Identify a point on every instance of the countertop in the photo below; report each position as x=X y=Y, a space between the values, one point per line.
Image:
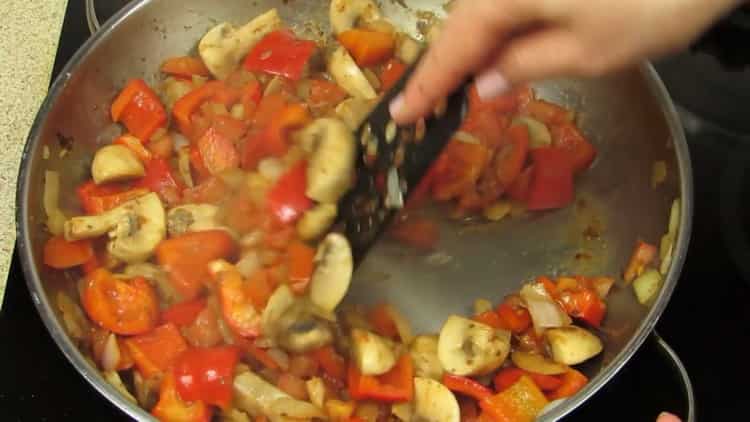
x=29 y=33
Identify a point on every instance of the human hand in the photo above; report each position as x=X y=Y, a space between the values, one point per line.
x=667 y=417
x=506 y=42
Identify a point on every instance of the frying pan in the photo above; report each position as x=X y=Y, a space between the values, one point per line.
x=628 y=116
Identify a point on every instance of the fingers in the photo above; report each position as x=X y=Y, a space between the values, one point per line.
x=667 y=417
x=469 y=39
x=539 y=55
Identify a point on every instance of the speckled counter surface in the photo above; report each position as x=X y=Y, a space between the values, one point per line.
x=29 y=33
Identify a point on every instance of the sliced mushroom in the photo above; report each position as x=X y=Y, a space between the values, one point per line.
x=572 y=345
x=333 y=272
x=331 y=166
x=536 y=363
x=466 y=347
x=373 y=355
x=433 y=402
x=135 y=228
x=344 y=14
x=157 y=276
x=224 y=46
x=116 y=163
x=353 y=111
x=315 y=222
x=301 y=331
x=194 y=218
x=349 y=76
x=256 y=396
x=424 y=354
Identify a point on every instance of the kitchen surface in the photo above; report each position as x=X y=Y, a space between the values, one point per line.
x=705 y=322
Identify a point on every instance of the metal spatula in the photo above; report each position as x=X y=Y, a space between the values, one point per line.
x=391 y=161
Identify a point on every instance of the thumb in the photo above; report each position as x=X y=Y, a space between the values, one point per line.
x=667 y=417
x=545 y=53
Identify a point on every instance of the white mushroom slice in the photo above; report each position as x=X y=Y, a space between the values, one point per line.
x=116 y=163
x=466 y=347
x=224 y=46
x=349 y=76
x=157 y=276
x=333 y=272
x=256 y=396
x=536 y=363
x=433 y=402
x=331 y=167
x=344 y=14
x=424 y=354
x=373 y=355
x=135 y=228
x=315 y=222
x=353 y=111
x=280 y=301
x=572 y=345
x=193 y=218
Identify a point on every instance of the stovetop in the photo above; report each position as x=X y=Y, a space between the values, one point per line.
x=706 y=321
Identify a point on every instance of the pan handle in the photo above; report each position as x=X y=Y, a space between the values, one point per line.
x=91 y=18
x=671 y=355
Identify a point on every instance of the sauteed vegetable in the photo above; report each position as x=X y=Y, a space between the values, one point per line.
x=211 y=283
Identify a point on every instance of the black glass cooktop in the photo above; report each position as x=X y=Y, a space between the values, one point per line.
x=706 y=321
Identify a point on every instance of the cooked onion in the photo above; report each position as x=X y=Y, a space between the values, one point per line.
x=545 y=312
x=280 y=356
x=249 y=263
x=111 y=353
x=271 y=169
x=402 y=324
x=50 y=197
x=76 y=324
x=466 y=137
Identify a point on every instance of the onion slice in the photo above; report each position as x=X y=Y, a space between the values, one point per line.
x=545 y=312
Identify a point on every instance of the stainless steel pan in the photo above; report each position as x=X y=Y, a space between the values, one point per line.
x=628 y=115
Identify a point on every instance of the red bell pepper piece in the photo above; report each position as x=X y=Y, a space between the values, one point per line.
x=139 y=109
x=584 y=304
x=281 y=53
x=96 y=199
x=186 y=258
x=324 y=94
x=183 y=313
x=156 y=350
x=396 y=385
x=466 y=386
x=513 y=318
x=61 y=254
x=382 y=322
x=261 y=355
x=391 y=73
x=643 y=255
x=332 y=363
x=127 y=307
x=286 y=200
x=217 y=151
x=508 y=376
x=185 y=66
x=572 y=382
x=552 y=182
x=568 y=137
x=490 y=318
x=511 y=157
x=172 y=408
x=271 y=141
x=301 y=263
x=190 y=103
x=160 y=180
x=368 y=47
x=251 y=96
x=206 y=374
x=237 y=307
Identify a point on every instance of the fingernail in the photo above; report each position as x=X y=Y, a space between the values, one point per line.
x=667 y=417
x=397 y=106
x=490 y=84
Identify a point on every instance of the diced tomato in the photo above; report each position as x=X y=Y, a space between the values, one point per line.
x=568 y=137
x=210 y=191
x=519 y=189
x=171 y=408
x=509 y=376
x=382 y=322
x=204 y=330
x=572 y=382
x=417 y=232
x=461 y=169
x=124 y=307
x=279 y=238
x=584 y=304
x=156 y=350
x=259 y=289
x=332 y=363
x=61 y=254
x=139 y=109
x=280 y=53
x=190 y=103
x=199 y=171
x=185 y=66
x=206 y=374
x=490 y=318
x=272 y=140
x=184 y=313
x=324 y=95
x=236 y=304
x=160 y=180
x=511 y=157
x=257 y=353
x=301 y=263
x=552 y=182
x=186 y=258
x=391 y=74
x=217 y=151
x=368 y=47
x=287 y=200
